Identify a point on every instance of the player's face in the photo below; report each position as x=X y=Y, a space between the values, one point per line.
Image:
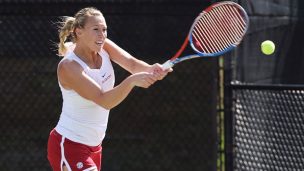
x=94 y=33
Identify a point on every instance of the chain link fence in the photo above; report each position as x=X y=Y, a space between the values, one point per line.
x=268 y=127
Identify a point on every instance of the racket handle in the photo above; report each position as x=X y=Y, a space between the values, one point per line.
x=168 y=64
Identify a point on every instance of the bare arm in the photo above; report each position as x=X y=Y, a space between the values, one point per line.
x=124 y=59
x=130 y=63
x=72 y=76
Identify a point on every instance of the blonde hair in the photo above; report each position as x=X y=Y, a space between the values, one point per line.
x=68 y=25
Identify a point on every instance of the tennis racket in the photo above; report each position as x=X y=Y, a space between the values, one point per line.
x=218 y=29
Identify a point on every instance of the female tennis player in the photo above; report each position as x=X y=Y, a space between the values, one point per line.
x=86 y=80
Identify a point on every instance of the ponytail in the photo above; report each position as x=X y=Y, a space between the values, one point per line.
x=66 y=29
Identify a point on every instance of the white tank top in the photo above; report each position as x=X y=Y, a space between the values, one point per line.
x=82 y=120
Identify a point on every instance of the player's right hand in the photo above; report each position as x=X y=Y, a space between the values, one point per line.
x=143 y=79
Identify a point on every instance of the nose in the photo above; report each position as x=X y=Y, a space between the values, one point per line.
x=103 y=34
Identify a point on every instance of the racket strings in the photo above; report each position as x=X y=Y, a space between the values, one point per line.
x=221 y=15
x=224 y=25
x=236 y=18
x=218 y=29
x=215 y=39
x=231 y=29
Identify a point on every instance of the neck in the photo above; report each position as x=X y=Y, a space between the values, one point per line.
x=85 y=54
x=91 y=58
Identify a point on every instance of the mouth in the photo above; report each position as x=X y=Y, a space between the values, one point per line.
x=99 y=43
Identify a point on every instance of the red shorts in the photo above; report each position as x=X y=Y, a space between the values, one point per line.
x=75 y=156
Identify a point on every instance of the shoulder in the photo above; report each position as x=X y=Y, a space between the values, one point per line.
x=109 y=45
x=104 y=52
x=68 y=67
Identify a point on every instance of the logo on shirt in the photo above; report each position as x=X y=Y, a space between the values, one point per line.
x=104 y=75
x=106 y=78
x=79 y=165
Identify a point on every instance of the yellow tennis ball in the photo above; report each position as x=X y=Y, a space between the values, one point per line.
x=267 y=47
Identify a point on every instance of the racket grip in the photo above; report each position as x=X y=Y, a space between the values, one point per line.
x=168 y=64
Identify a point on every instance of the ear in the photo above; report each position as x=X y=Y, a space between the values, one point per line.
x=78 y=32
